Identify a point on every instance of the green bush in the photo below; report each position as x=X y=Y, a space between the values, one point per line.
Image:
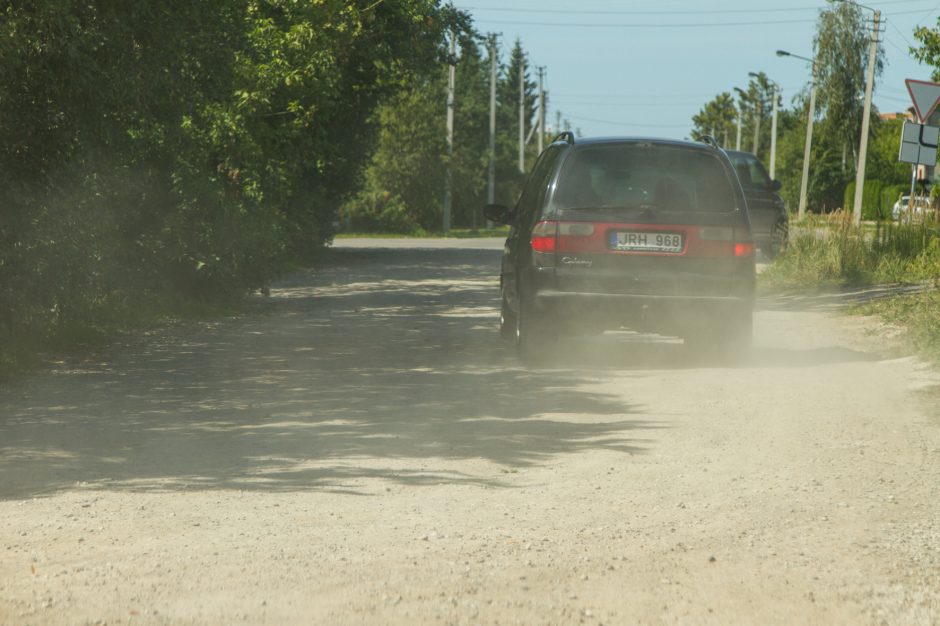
x=889 y=195
x=378 y=211
x=152 y=153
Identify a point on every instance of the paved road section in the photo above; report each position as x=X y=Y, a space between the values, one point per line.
x=360 y=448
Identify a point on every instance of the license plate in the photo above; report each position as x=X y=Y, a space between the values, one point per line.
x=646 y=242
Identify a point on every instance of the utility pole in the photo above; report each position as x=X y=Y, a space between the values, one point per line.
x=541 y=132
x=866 y=114
x=522 y=116
x=773 y=136
x=758 y=113
x=491 y=188
x=451 y=83
x=737 y=141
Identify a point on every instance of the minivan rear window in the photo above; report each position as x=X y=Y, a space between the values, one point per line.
x=750 y=171
x=644 y=176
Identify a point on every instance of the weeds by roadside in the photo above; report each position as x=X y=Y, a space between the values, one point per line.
x=827 y=252
x=918 y=314
x=831 y=252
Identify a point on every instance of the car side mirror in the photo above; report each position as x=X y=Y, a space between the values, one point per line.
x=499 y=213
x=775 y=185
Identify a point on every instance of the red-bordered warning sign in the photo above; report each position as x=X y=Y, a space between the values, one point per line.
x=925 y=96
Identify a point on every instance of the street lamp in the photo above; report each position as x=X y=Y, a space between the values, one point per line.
x=809 y=128
x=866 y=114
x=773 y=123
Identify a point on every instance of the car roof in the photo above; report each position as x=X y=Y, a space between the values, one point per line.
x=597 y=141
x=741 y=153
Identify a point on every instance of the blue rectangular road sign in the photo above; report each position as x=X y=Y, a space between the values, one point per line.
x=919 y=144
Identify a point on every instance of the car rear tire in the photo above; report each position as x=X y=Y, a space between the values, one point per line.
x=507 y=321
x=778 y=240
x=530 y=333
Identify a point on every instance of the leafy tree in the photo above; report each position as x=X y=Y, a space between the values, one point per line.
x=928 y=51
x=509 y=178
x=404 y=181
x=756 y=104
x=149 y=148
x=717 y=117
x=841 y=48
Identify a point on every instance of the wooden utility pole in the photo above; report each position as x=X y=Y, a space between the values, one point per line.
x=541 y=132
x=451 y=83
x=491 y=188
x=522 y=115
x=866 y=114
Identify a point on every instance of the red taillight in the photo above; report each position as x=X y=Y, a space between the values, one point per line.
x=743 y=249
x=544 y=237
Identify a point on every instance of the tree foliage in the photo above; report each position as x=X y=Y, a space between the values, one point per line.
x=404 y=182
x=841 y=45
x=717 y=118
x=155 y=148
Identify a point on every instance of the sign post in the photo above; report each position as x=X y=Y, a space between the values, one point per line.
x=919 y=141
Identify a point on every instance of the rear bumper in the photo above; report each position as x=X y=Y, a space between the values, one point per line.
x=667 y=314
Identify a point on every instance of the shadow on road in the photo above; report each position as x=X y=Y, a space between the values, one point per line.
x=386 y=364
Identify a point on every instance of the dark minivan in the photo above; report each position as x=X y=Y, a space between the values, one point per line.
x=769 y=219
x=648 y=234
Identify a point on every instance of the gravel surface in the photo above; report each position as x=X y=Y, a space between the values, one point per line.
x=360 y=448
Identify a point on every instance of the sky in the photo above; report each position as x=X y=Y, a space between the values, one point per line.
x=645 y=67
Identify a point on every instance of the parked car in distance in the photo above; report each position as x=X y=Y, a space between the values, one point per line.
x=769 y=218
x=647 y=234
x=901 y=207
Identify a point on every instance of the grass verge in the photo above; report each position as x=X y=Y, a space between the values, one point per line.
x=826 y=253
x=918 y=314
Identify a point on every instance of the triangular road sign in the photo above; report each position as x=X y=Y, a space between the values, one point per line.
x=926 y=97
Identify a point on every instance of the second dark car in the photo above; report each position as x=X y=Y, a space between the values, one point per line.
x=769 y=218
x=647 y=234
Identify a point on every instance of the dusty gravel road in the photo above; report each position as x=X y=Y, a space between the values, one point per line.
x=360 y=448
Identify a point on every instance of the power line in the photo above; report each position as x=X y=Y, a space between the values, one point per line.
x=633 y=96
x=898 y=48
x=620 y=104
x=929 y=13
x=678 y=12
x=665 y=25
x=893 y=99
x=909 y=12
x=589 y=12
x=898 y=30
x=633 y=125
x=678 y=25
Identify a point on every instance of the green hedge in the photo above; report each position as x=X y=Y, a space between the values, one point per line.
x=877 y=199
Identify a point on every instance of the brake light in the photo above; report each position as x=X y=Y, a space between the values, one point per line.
x=544 y=237
x=743 y=249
